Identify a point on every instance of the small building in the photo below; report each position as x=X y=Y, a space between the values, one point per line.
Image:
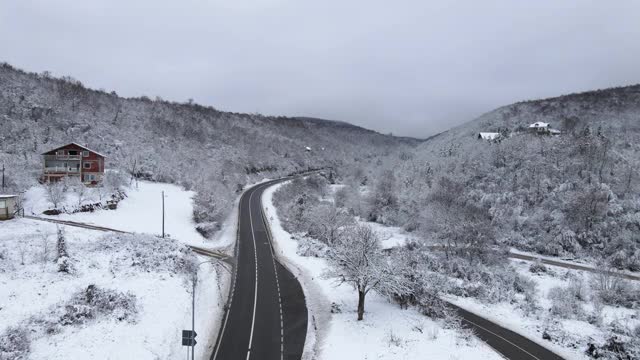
x=539 y=127
x=73 y=160
x=490 y=136
x=8 y=206
x=543 y=128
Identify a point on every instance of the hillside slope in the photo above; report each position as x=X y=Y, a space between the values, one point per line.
x=576 y=193
x=201 y=148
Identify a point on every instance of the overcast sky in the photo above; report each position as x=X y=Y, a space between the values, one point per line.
x=407 y=67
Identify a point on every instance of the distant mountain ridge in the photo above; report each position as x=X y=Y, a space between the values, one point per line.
x=566 y=112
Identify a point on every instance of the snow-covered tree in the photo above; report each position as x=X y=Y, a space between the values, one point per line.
x=55 y=193
x=356 y=258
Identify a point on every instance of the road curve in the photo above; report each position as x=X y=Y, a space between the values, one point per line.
x=266 y=315
x=507 y=343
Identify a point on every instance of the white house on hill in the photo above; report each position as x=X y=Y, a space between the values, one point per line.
x=539 y=126
x=489 y=135
x=543 y=128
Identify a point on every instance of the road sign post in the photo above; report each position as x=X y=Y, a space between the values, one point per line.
x=189 y=338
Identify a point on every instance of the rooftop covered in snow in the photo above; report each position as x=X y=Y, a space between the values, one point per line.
x=539 y=124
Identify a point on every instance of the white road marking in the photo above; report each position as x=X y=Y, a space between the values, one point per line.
x=255 y=297
x=255 y=300
x=233 y=291
x=275 y=269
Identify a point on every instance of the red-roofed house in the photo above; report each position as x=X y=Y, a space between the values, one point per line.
x=73 y=160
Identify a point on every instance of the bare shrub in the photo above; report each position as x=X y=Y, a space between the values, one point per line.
x=15 y=343
x=311 y=248
x=565 y=304
x=146 y=253
x=433 y=332
x=538 y=267
x=577 y=289
x=93 y=301
x=22 y=251
x=55 y=193
x=393 y=339
x=613 y=290
x=44 y=248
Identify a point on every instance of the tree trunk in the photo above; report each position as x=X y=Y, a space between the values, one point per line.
x=361 y=295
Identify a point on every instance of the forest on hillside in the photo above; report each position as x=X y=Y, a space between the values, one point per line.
x=212 y=152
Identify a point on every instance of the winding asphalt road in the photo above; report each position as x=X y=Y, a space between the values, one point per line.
x=266 y=315
x=506 y=342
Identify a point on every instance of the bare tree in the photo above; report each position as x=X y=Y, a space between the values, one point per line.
x=327 y=222
x=78 y=187
x=357 y=259
x=55 y=193
x=132 y=168
x=44 y=255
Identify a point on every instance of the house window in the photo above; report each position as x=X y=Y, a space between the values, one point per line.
x=73 y=153
x=87 y=165
x=85 y=154
x=60 y=152
x=89 y=177
x=3 y=204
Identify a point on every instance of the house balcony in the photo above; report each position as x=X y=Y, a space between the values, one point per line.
x=61 y=170
x=62 y=157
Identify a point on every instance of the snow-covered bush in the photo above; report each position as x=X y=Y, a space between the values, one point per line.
x=141 y=252
x=616 y=347
x=538 y=267
x=613 y=290
x=565 y=304
x=93 y=302
x=4 y=261
x=297 y=203
x=84 y=306
x=15 y=343
x=310 y=247
x=63 y=261
x=577 y=288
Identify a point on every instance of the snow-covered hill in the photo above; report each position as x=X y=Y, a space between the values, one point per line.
x=214 y=152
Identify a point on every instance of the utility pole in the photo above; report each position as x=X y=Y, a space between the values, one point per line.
x=193 y=311
x=189 y=337
x=2 y=177
x=163 y=214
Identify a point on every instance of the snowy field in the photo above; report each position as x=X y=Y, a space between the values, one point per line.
x=387 y=332
x=140 y=211
x=145 y=280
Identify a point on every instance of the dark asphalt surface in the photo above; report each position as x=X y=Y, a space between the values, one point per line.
x=508 y=343
x=266 y=316
x=573 y=266
x=561 y=264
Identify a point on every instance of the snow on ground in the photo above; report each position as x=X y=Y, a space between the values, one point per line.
x=510 y=317
x=391 y=236
x=36 y=289
x=387 y=332
x=140 y=212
